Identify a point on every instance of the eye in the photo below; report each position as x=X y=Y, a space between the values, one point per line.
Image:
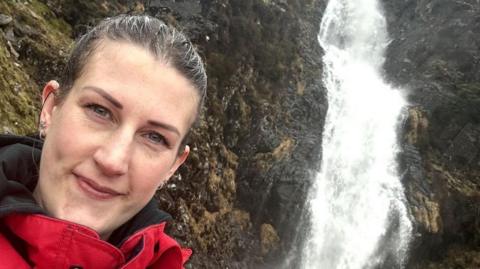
x=99 y=110
x=156 y=138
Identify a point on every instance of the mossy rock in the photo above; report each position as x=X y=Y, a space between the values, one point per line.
x=469 y=91
x=33 y=53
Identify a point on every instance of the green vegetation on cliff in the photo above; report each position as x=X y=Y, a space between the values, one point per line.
x=32 y=49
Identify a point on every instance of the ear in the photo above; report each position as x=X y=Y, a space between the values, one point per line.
x=48 y=101
x=179 y=161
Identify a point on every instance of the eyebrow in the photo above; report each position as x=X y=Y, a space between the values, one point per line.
x=105 y=95
x=164 y=126
x=117 y=104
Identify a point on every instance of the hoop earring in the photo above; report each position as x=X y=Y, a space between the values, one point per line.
x=161 y=185
x=42 y=134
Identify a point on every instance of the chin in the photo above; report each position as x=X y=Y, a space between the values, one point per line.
x=92 y=220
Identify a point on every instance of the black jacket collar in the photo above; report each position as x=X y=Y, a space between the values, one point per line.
x=19 y=159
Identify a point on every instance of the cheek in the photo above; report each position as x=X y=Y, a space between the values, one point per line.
x=66 y=140
x=150 y=177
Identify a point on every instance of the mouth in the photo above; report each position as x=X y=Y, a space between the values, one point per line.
x=95 y=190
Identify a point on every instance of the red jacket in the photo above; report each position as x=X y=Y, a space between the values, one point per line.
x=31 y=239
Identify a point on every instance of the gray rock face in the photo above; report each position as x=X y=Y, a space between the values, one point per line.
x=266 y=107
x=435 y=56
x=5 y=19
x=464 y=146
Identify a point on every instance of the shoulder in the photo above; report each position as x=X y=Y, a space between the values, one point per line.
x=162 y=250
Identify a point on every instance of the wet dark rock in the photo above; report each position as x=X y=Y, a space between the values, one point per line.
x=266 y=107
x=412 y=164
x=465 y=146
x=434 y=55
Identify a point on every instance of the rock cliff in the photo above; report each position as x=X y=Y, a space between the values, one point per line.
x=435 y=56
x=238 y=201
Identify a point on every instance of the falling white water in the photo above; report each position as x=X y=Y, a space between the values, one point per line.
x=357 y=205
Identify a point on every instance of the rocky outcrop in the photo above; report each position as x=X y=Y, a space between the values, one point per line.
x=434 y=55
x=30 y=41
x=262 y=129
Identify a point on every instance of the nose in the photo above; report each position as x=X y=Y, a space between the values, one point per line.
x=113 y=155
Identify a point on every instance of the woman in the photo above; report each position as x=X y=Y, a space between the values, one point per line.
x=114 y=131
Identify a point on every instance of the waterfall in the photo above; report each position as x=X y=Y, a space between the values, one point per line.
x=358 y=215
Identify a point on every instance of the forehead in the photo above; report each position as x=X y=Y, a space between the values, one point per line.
x=117 y=54
x=135 y=76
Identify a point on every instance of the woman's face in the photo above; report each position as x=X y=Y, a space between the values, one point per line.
x=114 y=139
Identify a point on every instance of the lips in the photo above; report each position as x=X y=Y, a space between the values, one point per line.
x=94 y=190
